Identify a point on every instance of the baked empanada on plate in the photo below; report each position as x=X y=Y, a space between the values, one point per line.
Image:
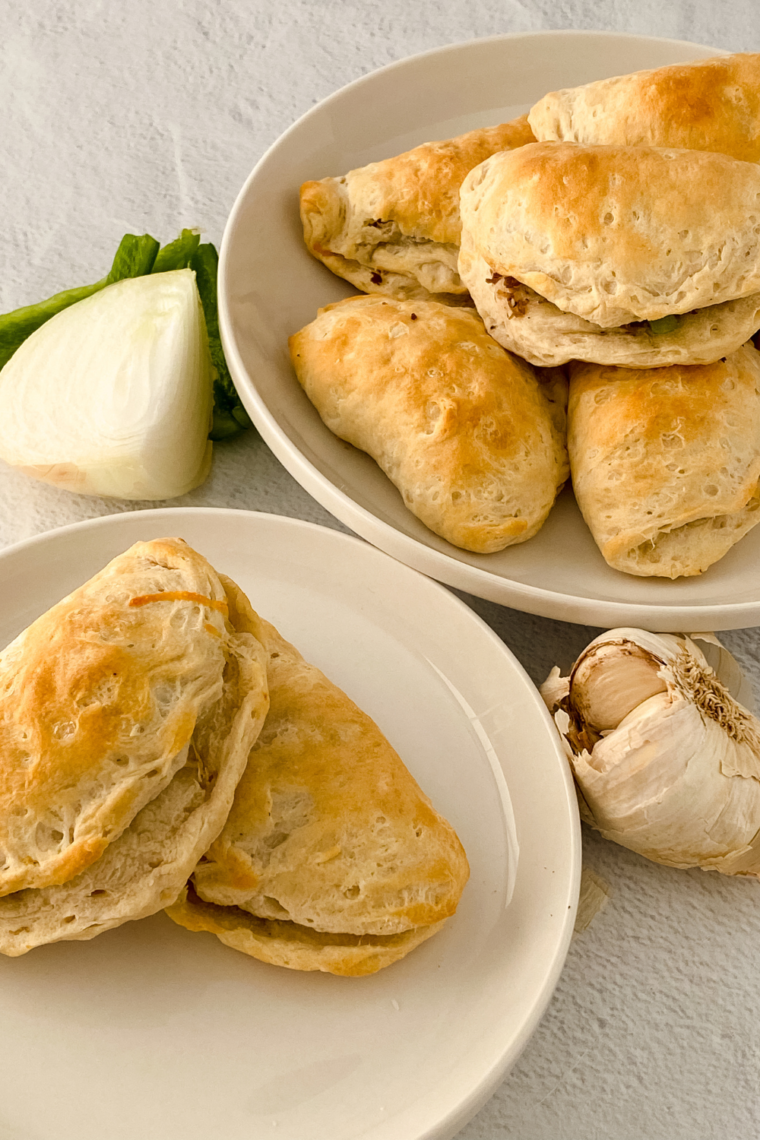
x=666 y=462
x=393 y=226
x=332 y=857
x=126 y=715
x=638 y=256
x=465 y=430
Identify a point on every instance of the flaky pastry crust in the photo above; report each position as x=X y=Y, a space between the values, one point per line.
x=137 y=700
x=710 y=104
x=332 y=857
x=461 y=427
x=525 y=323
x=618 y=234
x=293 y=946
x=393 y=227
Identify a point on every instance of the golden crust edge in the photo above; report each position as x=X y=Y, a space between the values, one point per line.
x=273 y=942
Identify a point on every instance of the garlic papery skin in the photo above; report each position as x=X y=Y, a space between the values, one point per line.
x=677 y=776
x=113 y=396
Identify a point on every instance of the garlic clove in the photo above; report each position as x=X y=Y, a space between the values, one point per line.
x=611 y=680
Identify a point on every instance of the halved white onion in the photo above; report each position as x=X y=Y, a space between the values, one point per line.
x=113 y=396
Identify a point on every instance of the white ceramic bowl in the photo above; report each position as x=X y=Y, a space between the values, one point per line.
x=270 y=287
x=151 y=1031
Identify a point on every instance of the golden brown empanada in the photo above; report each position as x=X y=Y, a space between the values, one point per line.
x=393 y=227
x=461 y=427
x=618 y=234
x=332 y=857
x=710 y=104
x=666 y=462
x=126 y=715
x=617 y=238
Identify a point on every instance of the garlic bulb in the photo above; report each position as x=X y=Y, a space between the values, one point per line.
x=666 y=761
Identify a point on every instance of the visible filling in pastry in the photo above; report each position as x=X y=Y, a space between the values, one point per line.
x=518 y=298
x=383 y=246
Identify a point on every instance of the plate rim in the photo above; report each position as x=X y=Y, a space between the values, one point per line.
x=446 y=1126
x=443 y=567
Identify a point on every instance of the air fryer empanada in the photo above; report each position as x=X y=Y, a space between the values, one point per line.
x=666 y=462
x=332 y=857
x=461 y=427
x=126 y=715
x=393 y=227
x=618 y=234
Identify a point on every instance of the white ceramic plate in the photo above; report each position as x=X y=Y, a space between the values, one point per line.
x=270 y=287
x=151 y=1031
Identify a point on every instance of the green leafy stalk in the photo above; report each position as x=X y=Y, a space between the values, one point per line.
x=135 y=257
x=132 y=257
x=230 y=416
x=138 y=256
x=178 y=253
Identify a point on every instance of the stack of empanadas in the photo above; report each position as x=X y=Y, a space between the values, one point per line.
x=130 y=722
x=127 y=713
x=626 y=236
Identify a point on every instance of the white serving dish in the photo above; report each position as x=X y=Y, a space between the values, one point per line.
x=270 y=287
x=151 y=1031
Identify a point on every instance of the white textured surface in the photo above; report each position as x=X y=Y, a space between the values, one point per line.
x=144 y=116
